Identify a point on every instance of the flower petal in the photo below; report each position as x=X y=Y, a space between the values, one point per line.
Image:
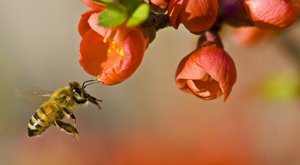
x=188 y=70
x=93 y=52
x=208 y=72
x=122 y=67
x=274 y=14
x=220 y=66
x=99 y=59
x=83 y=25
x=116 y=34
x=189 y=78
x=93 y=5
x=200 y=15
x=205 y=90
x=196 y=15
x=174 y=10
x=159 y=4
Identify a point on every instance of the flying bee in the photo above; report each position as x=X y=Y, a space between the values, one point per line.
x=61 y=104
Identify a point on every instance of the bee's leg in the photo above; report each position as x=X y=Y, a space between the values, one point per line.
x=94 y=100
x=70 y=129
x=73 y=117
x=70 y=114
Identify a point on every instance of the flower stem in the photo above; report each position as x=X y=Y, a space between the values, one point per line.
x=158 y=21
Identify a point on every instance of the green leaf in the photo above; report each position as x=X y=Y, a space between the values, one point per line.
x=131 y=5
x=139 y=15
x=114 y=15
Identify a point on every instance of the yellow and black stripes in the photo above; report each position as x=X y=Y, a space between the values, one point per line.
x=38 y=122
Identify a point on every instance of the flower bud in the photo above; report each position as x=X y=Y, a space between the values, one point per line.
x=273 y=14
x=208 y=72
x=196 y=15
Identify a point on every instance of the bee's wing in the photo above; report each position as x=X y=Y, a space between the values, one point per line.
x=33 y=94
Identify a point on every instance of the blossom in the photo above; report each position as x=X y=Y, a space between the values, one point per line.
x=267 y=14
x=111 y=54
x=208 y=72
x=196 y=15
x=274 y=14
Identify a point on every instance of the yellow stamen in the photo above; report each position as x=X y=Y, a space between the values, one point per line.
x=105 y=39
x=115 y=48
x=121 y=52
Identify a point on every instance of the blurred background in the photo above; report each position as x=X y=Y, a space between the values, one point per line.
x=146 y=120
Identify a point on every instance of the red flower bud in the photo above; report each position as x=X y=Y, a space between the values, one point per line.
x=196 y=15
x=274 y=14
x=207 y=72
x=112 y=54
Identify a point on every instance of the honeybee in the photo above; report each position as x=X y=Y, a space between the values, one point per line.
x=61 y=105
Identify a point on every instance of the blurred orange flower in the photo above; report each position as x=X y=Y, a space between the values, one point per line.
x=207 y=72
x=142 y=150
x=252 y=35
x=112 y=54
x=196 y=15
x=274 y=14
x=267 y=14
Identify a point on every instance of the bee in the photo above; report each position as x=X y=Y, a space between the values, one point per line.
x=61 y=105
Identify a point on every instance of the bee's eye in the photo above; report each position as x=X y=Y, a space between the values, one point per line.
x=76 y=90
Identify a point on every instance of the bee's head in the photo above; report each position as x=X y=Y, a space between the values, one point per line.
x=80 y=95
x=77 y=92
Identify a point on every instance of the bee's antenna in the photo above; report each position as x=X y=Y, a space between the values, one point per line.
x=89 y=82
x=83 y=84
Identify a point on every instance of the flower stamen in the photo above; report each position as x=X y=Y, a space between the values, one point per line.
x=207 y=78
x=114 y=47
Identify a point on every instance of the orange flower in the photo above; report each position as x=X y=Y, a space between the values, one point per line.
x=274 y=14
x=267 y=14
x=112 y=54
x=196 y=15
x=207 y=72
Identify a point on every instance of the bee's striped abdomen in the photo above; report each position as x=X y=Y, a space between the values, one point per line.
x=39 y=122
